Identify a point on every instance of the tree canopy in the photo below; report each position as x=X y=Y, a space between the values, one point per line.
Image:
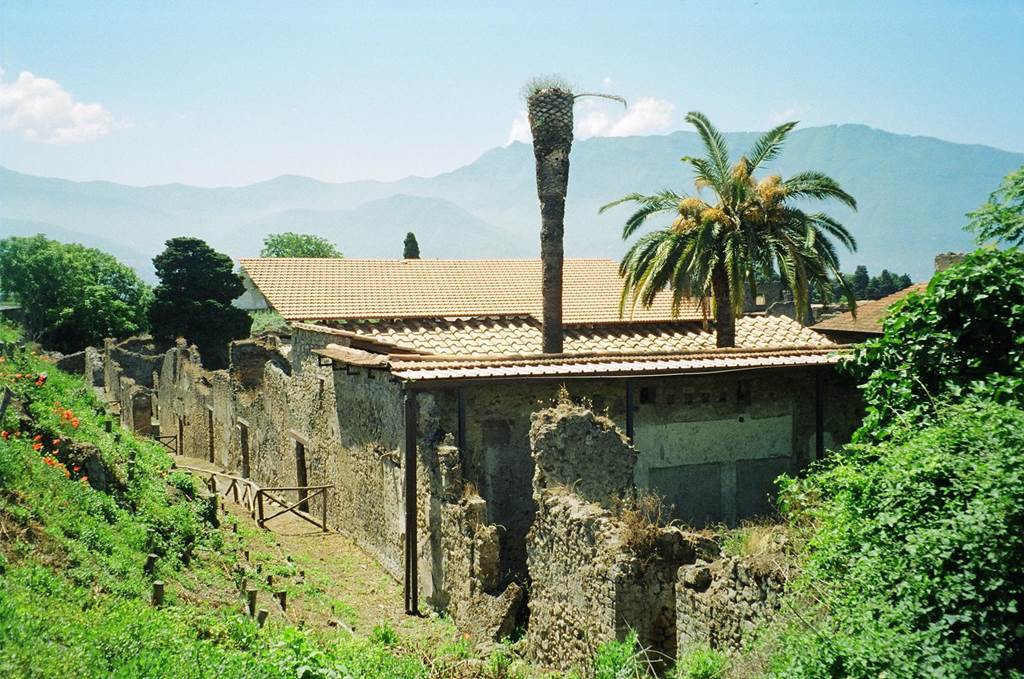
x=1001 y=218
x=411 y=249
x=864 y=286
x=193 y=300
x=748 y=228
x=72 y=296
x=289 y=244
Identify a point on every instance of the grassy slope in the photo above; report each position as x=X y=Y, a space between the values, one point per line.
x=73 y=595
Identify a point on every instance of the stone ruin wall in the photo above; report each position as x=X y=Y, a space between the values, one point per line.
x=720 y=602
x=588 y=582
x=350 y=423
x=595 y=575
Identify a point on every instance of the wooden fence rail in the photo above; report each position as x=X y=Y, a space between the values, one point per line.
x=305 y=495
x=170 y=442
x=246 y=493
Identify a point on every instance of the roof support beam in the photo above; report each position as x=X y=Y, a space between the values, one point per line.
x=629 y=411
x=411 y=556
x=819 y=415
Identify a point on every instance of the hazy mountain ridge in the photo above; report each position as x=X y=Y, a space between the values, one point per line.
x=912 y=192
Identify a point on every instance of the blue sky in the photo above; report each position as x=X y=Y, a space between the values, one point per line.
x=228 y=93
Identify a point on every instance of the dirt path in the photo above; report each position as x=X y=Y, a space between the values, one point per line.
x=330 y=582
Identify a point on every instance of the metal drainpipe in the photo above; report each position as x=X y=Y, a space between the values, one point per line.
x=629 y=410
x=411 y=557
x=819 y=416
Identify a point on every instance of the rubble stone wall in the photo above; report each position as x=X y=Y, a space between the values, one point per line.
x=719 y=603
x=594 y=575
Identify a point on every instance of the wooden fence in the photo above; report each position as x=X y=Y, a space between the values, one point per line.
x=258 y=500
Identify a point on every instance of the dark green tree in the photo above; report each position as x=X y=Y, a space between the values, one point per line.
x=290 y=244
x=71 y=296
x=860 y=281
x=193 y=300
x=411 y=249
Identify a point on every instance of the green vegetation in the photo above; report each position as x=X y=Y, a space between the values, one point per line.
x=701 y=663
x=410 y=248
x=193 y=300
x=73 y=592
x=290 y=244
x=912 y=535
x=966 y=334
x=1001 y=218
x=72 y=296
x=753 y=229
x=913 y=564
x=267 y=320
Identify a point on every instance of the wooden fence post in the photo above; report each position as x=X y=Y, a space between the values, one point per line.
x=261 y=618
x=250 y=595
x=150 y=564
x=158 y=592
x=282 y=598
x=6 y=402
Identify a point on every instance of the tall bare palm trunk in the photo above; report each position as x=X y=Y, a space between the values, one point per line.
x=550 y=112
x=725 y=321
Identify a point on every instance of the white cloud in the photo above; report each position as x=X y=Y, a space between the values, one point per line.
x=520 y=130
x=45 y=112
x=784 y=116
x=646 y=115
x=602 y=118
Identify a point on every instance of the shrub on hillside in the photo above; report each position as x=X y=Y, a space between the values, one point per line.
x=915 y=552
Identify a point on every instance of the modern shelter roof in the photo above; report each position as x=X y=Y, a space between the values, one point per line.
x=333 y=289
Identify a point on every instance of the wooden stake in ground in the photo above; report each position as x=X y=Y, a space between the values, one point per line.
x=150 y=564
x=261 y=617
x=250 y=595
x=282 y=598
x=158 y=593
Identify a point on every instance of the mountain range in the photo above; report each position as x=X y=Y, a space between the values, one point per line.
x=912 y=193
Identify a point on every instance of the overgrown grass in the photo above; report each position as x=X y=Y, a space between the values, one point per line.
x=74 y=597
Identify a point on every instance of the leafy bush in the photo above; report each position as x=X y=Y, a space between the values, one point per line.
x=701 y=663
x=915 y=556
x=620 y=659
x=1001 y=218
x=965 y=334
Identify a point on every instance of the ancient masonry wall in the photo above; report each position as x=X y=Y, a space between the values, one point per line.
x=720 y=603
x=594 y=575
x=533 y=502
x=344 y=428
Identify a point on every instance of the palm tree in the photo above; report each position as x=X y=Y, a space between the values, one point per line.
x=715 y=248
x=549 y=102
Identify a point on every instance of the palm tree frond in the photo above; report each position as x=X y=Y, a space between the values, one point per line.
x=768 y=145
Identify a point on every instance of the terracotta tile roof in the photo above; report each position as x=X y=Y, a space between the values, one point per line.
x=870 y=314
x=565 y=366
x=330 y=289
x=505 y=336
